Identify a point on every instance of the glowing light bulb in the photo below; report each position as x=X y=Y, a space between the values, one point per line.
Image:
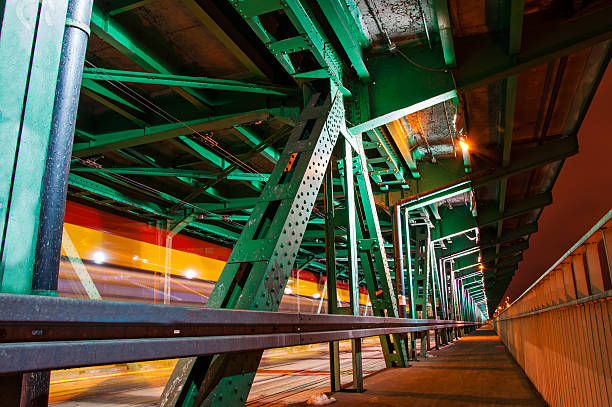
x=316 y=295
x=464 y=146
x=190 y=273
x=99 y=257
x=288 y=290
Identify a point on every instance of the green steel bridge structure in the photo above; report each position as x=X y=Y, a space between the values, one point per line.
x=408 y=149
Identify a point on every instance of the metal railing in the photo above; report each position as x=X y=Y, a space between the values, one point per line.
x=44 y=333
x=560 y=329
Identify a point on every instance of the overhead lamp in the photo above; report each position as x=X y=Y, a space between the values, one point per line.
x=464 y=146
x=190 y=273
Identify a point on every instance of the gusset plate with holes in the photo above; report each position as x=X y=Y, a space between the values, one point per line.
x=257 y=271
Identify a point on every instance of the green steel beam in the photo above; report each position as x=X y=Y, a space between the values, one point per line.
x=503 y=263
x=401 y=135
x=349 y=33
x=417 y=105
x=213 y=27
x=491 y=254
x=110 y=193
x=113 y=106
x=125 y=6
x=231 y=204
x=517 y=233
x=443 y=21
x=309 y=37
x=30 y=48
x=119 y=38
x=100 y=74
x=490 y=213
x=515 y=23
x=544 y=38
x=379 y=142
x=173 y=172
x=254 y=140
x=420 y=201
x=131 y=138
x=96 y=87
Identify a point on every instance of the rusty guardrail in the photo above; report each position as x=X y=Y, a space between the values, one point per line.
x=560 y=329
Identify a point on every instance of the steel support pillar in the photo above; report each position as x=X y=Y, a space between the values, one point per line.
x=257 y=271
x=41 y=41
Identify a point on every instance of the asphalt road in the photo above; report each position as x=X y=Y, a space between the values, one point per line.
x=288 y=375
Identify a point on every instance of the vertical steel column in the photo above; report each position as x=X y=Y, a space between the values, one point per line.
x=257 y=271
x=349 y=183
x=34 y=72
x=330 y=257
x=55 y=182
x=374 y=261
x=398 y=252
x=411 y=283
x=30 y=49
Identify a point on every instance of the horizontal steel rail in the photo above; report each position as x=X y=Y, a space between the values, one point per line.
x=43 y=333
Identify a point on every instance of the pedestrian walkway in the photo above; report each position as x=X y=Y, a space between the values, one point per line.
x=476 y=370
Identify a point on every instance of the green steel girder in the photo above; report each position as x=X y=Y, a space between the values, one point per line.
x=454 y=221
x=491 y=254
x=227 y=168
x=310 y=37
x=421 y=201
x=491 y=269
x=114 y=106
x=443 y=22
x=225 y=38
x=123 y=6
x=254 y=140
x=173 y=172
x=30 y=48
x=490 y=213
x=522 y=161
x=97 y=88
x=517 y=233
x=373 y=259
x=131 y=138
x=232 y=204
x=110 y=193
x=401 y=135
x=515 y=26
x=119 y=38
x=379 y=142
x=100 y=74
x=544 y=39
x=350 y=33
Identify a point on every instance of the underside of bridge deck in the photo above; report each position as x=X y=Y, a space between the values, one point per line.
x=395 y=155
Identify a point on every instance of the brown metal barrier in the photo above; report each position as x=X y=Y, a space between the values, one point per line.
x=560 y=329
